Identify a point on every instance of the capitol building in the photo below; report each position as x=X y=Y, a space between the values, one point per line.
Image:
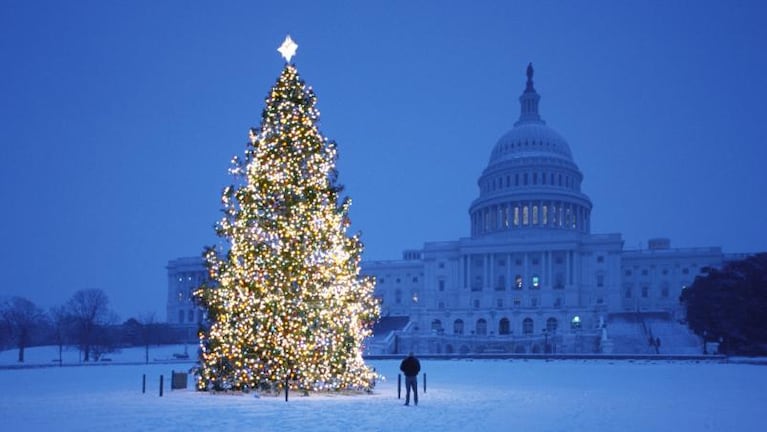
x=530 y=278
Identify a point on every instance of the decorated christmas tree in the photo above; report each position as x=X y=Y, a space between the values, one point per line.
x=286 y=305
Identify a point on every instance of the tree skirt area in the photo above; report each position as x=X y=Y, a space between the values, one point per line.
x=461 y=395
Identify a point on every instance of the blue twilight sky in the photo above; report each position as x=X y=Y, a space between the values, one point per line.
x=119 y=119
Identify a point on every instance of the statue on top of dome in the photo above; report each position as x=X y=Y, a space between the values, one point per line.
x=529 y=87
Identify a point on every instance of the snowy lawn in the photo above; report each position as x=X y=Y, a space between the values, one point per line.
x=462 y=395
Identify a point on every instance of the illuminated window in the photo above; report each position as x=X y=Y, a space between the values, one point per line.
x=525 y=215
x=516 y=216
x=536 y=282
x=180 y=296
x=518 y=281
x=545 y=216
x=535 y=215
x=414 y=297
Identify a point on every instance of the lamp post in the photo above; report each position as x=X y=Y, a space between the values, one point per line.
x=545 y=341
x=705 y=350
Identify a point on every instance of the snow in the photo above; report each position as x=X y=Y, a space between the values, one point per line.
x=462 y=395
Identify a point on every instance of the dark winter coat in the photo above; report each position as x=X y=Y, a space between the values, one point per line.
x=410 y=366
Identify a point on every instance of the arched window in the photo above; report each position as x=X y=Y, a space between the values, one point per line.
x=551 y=325
x=458 y=327
x=481 y=327
x=504 y=326
x=436 y=326
x=527 y=326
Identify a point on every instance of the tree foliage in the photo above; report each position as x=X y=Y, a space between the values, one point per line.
x=731 y=304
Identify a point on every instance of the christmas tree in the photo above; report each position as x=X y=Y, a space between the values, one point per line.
x=286 y=303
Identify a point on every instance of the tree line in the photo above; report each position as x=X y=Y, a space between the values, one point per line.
x=85 y=321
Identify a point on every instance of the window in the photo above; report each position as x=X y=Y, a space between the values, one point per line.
x=536 y=282
x=600 y=280
x=441 y=284
x=414 y=297
x=501 y=285
x=180 y=296
x=518 y=282
x=441 y=305
x=527 y=326
x=398 y=296
x=415 y=279
x=545 y=210
x=436 y=326
x=477 y=285
x=516 y=216
x=535 y=178
x=558 y=302
x=559 y=281
x=481 y=326
x=499 y=303
x=458 y=327
x=644 y=272
x=627 y=273
x=381 y=281
x=535 y=215
x=600 y=259
x=645 y=291
x=397 y=280
x=627 y=291
x=181 y=317
x=504 y=326
x=664 y=290
x=191 y=315
x=685 y=271
x=536 y=261
x=441 y=265
x=525 y=179
x=517 y=301
x=525 y=215
x=534 y=301
x=476 y=303
x=551 y=325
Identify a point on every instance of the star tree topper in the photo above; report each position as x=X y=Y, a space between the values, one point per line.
x=288 y=48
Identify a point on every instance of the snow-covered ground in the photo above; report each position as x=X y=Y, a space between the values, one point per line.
x=462 y=395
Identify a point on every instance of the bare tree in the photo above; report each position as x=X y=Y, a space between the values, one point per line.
x=89 y=310
x=61 y=323
x=22 y=318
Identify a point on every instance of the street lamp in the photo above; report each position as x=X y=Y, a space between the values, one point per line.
x=705 y=351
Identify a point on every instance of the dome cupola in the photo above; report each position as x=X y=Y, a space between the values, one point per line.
x=531 y=180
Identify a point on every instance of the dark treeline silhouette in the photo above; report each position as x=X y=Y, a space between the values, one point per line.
x=729 y=306
x=85 y=321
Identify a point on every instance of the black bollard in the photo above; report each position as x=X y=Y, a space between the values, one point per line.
x=399 y=386
x=143 y=383
x=286 y=388
x=161 y=377
x=424 y=382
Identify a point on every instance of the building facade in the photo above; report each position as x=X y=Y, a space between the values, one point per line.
x=530 y=278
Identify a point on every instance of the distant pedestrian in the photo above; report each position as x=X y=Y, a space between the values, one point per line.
x=410 y=366
x=657 y=345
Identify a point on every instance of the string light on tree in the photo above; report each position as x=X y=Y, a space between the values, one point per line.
x=287 y=300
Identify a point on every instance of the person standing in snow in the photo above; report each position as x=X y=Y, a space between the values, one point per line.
x=410 y=366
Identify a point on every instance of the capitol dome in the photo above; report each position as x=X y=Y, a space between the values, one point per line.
x=531 y=180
